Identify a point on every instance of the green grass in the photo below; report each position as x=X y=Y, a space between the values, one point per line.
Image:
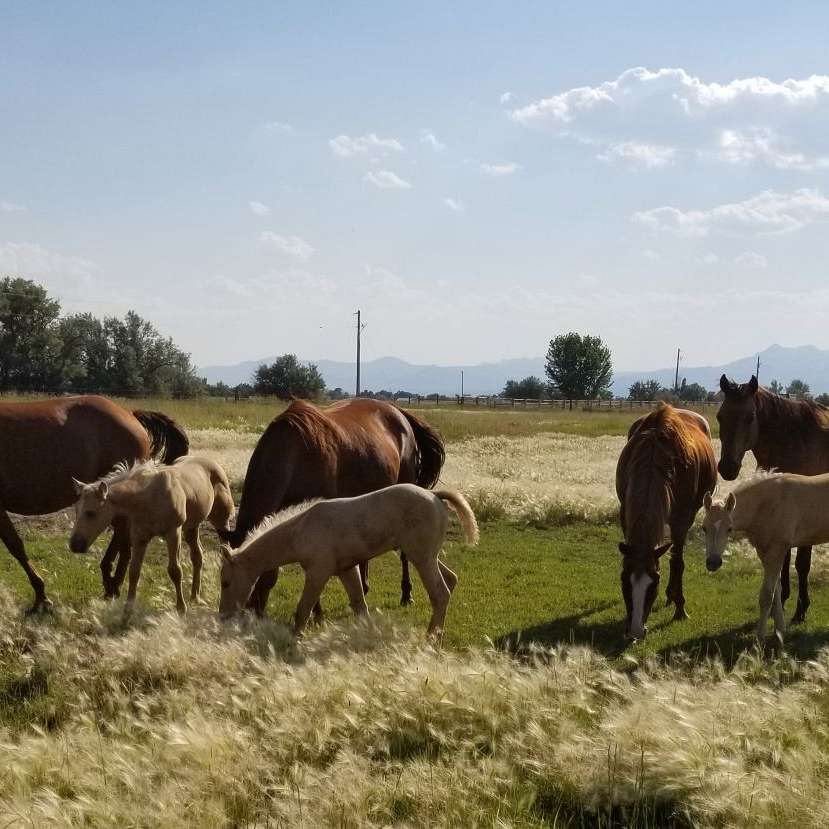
x=520 y=585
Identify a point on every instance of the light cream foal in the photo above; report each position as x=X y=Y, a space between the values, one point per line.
x=159 y=501
x=775 y=511
x=330 y=538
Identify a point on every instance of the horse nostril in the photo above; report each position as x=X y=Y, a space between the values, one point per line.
x=713 y=565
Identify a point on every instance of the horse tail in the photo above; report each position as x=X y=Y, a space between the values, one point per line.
x=464 y=512
x=430 y=450
x=167 y=438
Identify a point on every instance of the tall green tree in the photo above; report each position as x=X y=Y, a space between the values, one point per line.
x=797 y=388
x=286 y=377
x=579 y=367
x=530 y=388
x=644 y=390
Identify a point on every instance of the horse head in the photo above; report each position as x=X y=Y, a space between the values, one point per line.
x=640 y=584
x=739 y=428
x=93 y=513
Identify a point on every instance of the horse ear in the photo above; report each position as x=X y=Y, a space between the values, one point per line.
x=725 y=386
x=78 y=486
x=731 y=502
x=227 y=556
x=707 y=501
x=102 y=491
x=752 y=385
x=660 y=551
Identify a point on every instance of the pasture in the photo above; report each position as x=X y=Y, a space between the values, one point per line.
x=534 y=713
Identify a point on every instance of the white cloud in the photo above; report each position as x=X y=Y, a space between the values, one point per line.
x=454 y=204
x=505 y=169
x=751 y=259
x=746 y=120
x=646 y=155
x=11 y=207
x=431 y=140
x=294 y=246
x=386 y=180
x=71 y=277
x=506 y=97
x=344 y=146
x=258 y=208
x=709 y=258
x=768 y=212
x=278 y=128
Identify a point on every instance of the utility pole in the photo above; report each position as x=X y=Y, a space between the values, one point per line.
x=359 y=331
x=461 y=386
x=757 y=373
x=676 y=376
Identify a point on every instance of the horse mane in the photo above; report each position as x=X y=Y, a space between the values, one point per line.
x=662 y=442
x=795 y=418
x=123 y=471
x=276 y=519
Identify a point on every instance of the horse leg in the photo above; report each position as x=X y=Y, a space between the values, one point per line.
x=106 y=566
x=314 y=582
x=139 y=549
x=121 y=536
x=772 y=566
x=802 y=563
x=437 y=590
x=449 y=576
x=353 y=584
x=779 y=618
x=363 y=567
x=14 y=543
x=785 y=586
x=191 y=536
x=405 y=581
x=173 y=540
x=258 y=600
x=675 y=593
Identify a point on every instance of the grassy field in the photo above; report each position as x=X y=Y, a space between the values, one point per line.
x=534 y=712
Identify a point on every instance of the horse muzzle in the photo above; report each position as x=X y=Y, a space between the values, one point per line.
x=713 y=564
x=728 y=469
x=78 y=544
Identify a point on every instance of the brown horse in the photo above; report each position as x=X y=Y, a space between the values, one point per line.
x=664 y=471
x=785 y=435
x=44 y=444
x=348 y=449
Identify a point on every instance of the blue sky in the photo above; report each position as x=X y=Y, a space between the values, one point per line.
x=476 y=177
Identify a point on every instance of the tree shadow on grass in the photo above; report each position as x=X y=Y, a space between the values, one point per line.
x=607 y=637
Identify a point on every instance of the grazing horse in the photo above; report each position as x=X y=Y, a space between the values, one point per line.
x=664 y=471
x=349 y=448
x=330 y=538
x=784 y=435
x=775 y=511
x=170 y=501
x=44 y=444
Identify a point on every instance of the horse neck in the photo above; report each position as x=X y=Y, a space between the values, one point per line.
x=274 y=548
x=647 y=507
x=785 y=447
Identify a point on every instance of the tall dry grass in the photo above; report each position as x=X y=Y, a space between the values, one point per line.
x=179 y=723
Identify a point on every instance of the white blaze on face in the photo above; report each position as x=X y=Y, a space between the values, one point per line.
x=639 y=583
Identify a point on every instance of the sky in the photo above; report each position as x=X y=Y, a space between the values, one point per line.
x=475 y=177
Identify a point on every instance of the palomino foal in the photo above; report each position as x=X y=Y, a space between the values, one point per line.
x=331 y=538
x=775 y=511
x=166 y=501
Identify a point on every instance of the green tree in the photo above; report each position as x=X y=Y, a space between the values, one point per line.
x=644 y=390
x=692 y=392
x=797 y=388
x=29 y=341
x=776 y=387
x=579 y=367
x=530 y=388
x=287 y=377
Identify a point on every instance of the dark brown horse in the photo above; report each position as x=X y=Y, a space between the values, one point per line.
x=786 y=435
x=44 y=444
x=350 y=448
x=664 y=471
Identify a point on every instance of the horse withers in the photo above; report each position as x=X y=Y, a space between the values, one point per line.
x=775 y=511
x=159 y=501
x=331 y=538
x=347 y=449
x=663 y=473
x=44 y=444
x=784 y=435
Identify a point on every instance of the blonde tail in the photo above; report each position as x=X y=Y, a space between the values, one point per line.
x=464 y=512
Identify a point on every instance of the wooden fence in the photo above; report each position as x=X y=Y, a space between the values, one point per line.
x=497 y=402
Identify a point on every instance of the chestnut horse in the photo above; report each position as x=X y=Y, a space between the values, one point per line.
x=347 y=449
x=784 y=435
x=665 y=469
x=44 y=444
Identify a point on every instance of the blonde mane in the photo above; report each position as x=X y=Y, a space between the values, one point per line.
x=275 y=519
x=124 y=471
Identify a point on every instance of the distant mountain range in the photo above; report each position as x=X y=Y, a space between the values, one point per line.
x=777 y=362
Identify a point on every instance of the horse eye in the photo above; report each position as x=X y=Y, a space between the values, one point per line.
x=89 y=513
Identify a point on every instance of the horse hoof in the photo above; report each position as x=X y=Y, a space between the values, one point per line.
x=798 y=618
x=680 y=615
x=406 y=601
x=41 y=607
x=669 y=600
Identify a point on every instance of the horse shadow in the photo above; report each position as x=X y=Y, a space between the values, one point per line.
x=607 y=636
